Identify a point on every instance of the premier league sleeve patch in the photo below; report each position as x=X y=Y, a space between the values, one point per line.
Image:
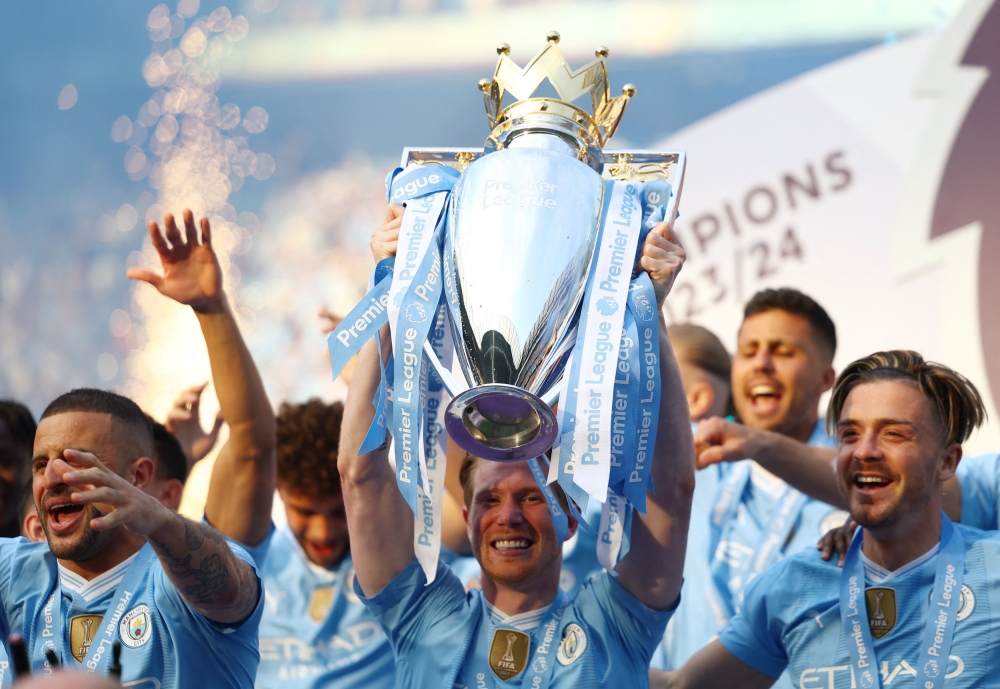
x=574 y=643
x=136 y=628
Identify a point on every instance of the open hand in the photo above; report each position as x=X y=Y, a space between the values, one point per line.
x=662 y=257
x=191 y=272
x=120 y=502
x=184 y=421
x=385 y=237
x=717 y=440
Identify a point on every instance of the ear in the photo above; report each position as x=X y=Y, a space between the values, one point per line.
x=829 y=378
x=468 y=524
x=171 y=492
x=700 y=397
x=142 y=472
x=571 y=526
x=949 y=462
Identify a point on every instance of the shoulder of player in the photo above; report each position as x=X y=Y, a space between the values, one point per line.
x=805 y=565
x=986 y=542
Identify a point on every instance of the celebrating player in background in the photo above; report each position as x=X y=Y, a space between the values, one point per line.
x=604 y=636
x=17 y=434
x=119 y=566
x=916 y=597
x=782 y=366
x=314 y=632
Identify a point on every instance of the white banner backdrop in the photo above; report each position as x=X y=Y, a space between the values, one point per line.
x=834 y=183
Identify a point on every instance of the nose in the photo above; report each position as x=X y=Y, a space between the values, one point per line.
x=867 y=448
x=51 y=479
x=318 y=530
x=510 y=513
x=763 y=360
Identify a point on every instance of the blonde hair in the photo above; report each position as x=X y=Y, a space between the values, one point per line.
x=959 y=407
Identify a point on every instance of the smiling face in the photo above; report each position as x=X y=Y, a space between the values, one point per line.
x=779 y=373
x=67 y=525
x=893 y=457
x=319 y=525
x=510 y=527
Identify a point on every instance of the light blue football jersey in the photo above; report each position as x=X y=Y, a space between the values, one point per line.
x=979 y=478
x=315 y=631
x=799 y=626
x=165 y=644
x=603 y=640
x=580 y=553
x=714 y=576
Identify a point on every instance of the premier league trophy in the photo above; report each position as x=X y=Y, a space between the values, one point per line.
x=521 y=258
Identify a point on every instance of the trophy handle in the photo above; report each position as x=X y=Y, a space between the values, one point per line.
x=451 y=384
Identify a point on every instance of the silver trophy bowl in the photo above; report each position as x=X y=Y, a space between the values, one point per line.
x=523 y=228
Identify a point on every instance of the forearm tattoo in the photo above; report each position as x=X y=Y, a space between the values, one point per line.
x=205 y=569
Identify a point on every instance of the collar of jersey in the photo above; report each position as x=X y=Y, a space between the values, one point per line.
x=523 y=622
x=89 y=590
x=877 y=574
x=766 y=481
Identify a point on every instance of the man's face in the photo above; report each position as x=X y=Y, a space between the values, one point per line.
x=13 y=461
x=319 y=525
x=66 y=524
x=892 y=457
x=509 y=524
x=779 y=372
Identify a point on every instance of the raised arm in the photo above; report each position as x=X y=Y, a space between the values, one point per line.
x=807 y=468
x=379 y=521
x=243 y=480
x=652 y=570
x=713 y=666
x=195 y=557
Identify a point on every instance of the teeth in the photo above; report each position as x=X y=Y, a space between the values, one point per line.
x=508 y=545
x=758 y=390
x=872 y=480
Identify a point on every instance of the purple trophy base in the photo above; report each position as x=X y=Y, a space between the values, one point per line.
x=502 y=423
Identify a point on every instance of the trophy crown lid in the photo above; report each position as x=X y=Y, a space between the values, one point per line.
x=550 y=64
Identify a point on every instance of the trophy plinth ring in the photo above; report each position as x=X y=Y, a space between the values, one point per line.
x=502 y=423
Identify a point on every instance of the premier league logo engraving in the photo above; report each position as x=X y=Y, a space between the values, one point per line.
x=881 y=604
x=135 y=629
x=509 y=653
x=574 y=643
x=867 y=680
x=931 y=668
x=81 y=634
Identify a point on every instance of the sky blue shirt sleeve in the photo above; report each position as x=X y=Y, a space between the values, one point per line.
x=414 y=613
x=754 y=633
x=979 y=479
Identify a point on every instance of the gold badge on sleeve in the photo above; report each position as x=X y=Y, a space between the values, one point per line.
x=881 y=604
x=321 y=602
x=81 y=634
x=509 y=653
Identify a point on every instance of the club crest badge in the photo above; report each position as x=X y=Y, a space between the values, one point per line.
x=881 y=604
x=82 y=629
x=574 y=643
x=136 y=628
x=509 y=653
x=321 y=602
x=966 y=603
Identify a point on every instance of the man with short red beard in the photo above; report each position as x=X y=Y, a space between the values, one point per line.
x=781 y=368
x=119 y=566
x=917 y=595
x=520 y=626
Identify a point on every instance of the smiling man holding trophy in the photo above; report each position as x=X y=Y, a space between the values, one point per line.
x=538 y=259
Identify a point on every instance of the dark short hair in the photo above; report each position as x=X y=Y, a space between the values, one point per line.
x=957 y=403
x=26 y=504
x=798 y=304
x=21 y=423
x=308 y=438
x=123 y=410
x=171 y=462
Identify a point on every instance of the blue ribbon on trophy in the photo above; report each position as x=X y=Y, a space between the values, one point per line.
x=520 y=261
